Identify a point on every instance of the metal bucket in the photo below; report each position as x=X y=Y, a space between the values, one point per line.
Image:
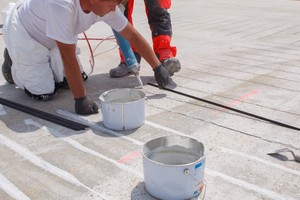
x=174 y=167
x=123 y=109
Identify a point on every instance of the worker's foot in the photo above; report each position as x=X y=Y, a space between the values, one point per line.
x=6 y=67
x=64 y=84
x=119 y=71
x=41 y=97
x=172 y=65
x=122 y=68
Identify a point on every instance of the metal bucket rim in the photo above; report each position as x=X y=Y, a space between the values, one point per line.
x=167 y=165
x=102 y=96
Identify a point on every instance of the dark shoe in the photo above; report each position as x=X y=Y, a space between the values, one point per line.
x=84 y=76
x=172 y=65
x=64 y=84
x=119 y=71
x=41 y=97
x=6 y=67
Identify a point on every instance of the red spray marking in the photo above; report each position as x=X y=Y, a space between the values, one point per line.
x=129 y=157
x=242 y=98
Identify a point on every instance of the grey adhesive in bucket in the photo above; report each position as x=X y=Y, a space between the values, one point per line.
x=173 y=167
x=173 y=155
x=122 y=96
x=125 y=95
x=173 y=150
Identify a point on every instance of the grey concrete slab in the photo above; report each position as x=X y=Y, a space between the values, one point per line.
x=241 y=54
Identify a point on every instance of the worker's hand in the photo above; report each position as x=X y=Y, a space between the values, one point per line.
x=162 y=76
x=85 y=106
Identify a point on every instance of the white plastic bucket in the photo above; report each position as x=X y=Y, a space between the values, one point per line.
x=123 y=109
x=173 y=167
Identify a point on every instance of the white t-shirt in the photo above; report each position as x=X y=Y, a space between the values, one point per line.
x=62 y=20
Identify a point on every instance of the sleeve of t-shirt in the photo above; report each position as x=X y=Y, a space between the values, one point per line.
x=59 y=22
x=116 y=20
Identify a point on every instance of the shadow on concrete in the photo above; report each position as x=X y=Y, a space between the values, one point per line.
x=279 y=157
x=95 y=86
x=282 y=157
x=100 y=130
x=140 y=193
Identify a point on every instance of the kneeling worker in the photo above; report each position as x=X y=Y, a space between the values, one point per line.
x=41 y=40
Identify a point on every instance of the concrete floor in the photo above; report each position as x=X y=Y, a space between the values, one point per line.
x=240 y=53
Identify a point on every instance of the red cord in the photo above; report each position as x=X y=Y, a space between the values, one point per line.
x=92 y=61
x=96 y=38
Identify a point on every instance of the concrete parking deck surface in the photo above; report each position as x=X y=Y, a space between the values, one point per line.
x=244 y=54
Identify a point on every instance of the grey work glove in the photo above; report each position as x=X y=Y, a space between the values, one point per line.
x=85 y=106
x=162 y=76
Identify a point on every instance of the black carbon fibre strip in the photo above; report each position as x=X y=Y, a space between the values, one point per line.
x=232 y=109
x=43 y=115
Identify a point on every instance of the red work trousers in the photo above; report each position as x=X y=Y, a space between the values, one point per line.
x=159 y=21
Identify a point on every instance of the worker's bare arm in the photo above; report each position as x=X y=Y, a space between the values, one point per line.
x=72 y=69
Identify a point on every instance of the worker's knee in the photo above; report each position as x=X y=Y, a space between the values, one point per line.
x=37 y=79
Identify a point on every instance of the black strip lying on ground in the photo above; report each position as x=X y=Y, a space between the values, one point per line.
x=43 y=115
x=232 y=109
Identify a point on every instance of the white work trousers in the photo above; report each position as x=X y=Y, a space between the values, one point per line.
x=34 y=66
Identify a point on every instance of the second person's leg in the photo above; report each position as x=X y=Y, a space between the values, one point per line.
x=122 y=68
x=159 y=20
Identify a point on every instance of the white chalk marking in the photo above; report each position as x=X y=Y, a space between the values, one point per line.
x=79 y=146
x=11 y=189
x=230 y=179
x=248 y=186
x=227 y=178
x=38 y=161
x=229 y=150
x=2 y=110
x=225 y=150
x=96 y=126
x=25 y=153
x=167 y=129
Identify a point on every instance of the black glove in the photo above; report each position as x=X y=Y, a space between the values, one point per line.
x=84 y=106
x=162 y=76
